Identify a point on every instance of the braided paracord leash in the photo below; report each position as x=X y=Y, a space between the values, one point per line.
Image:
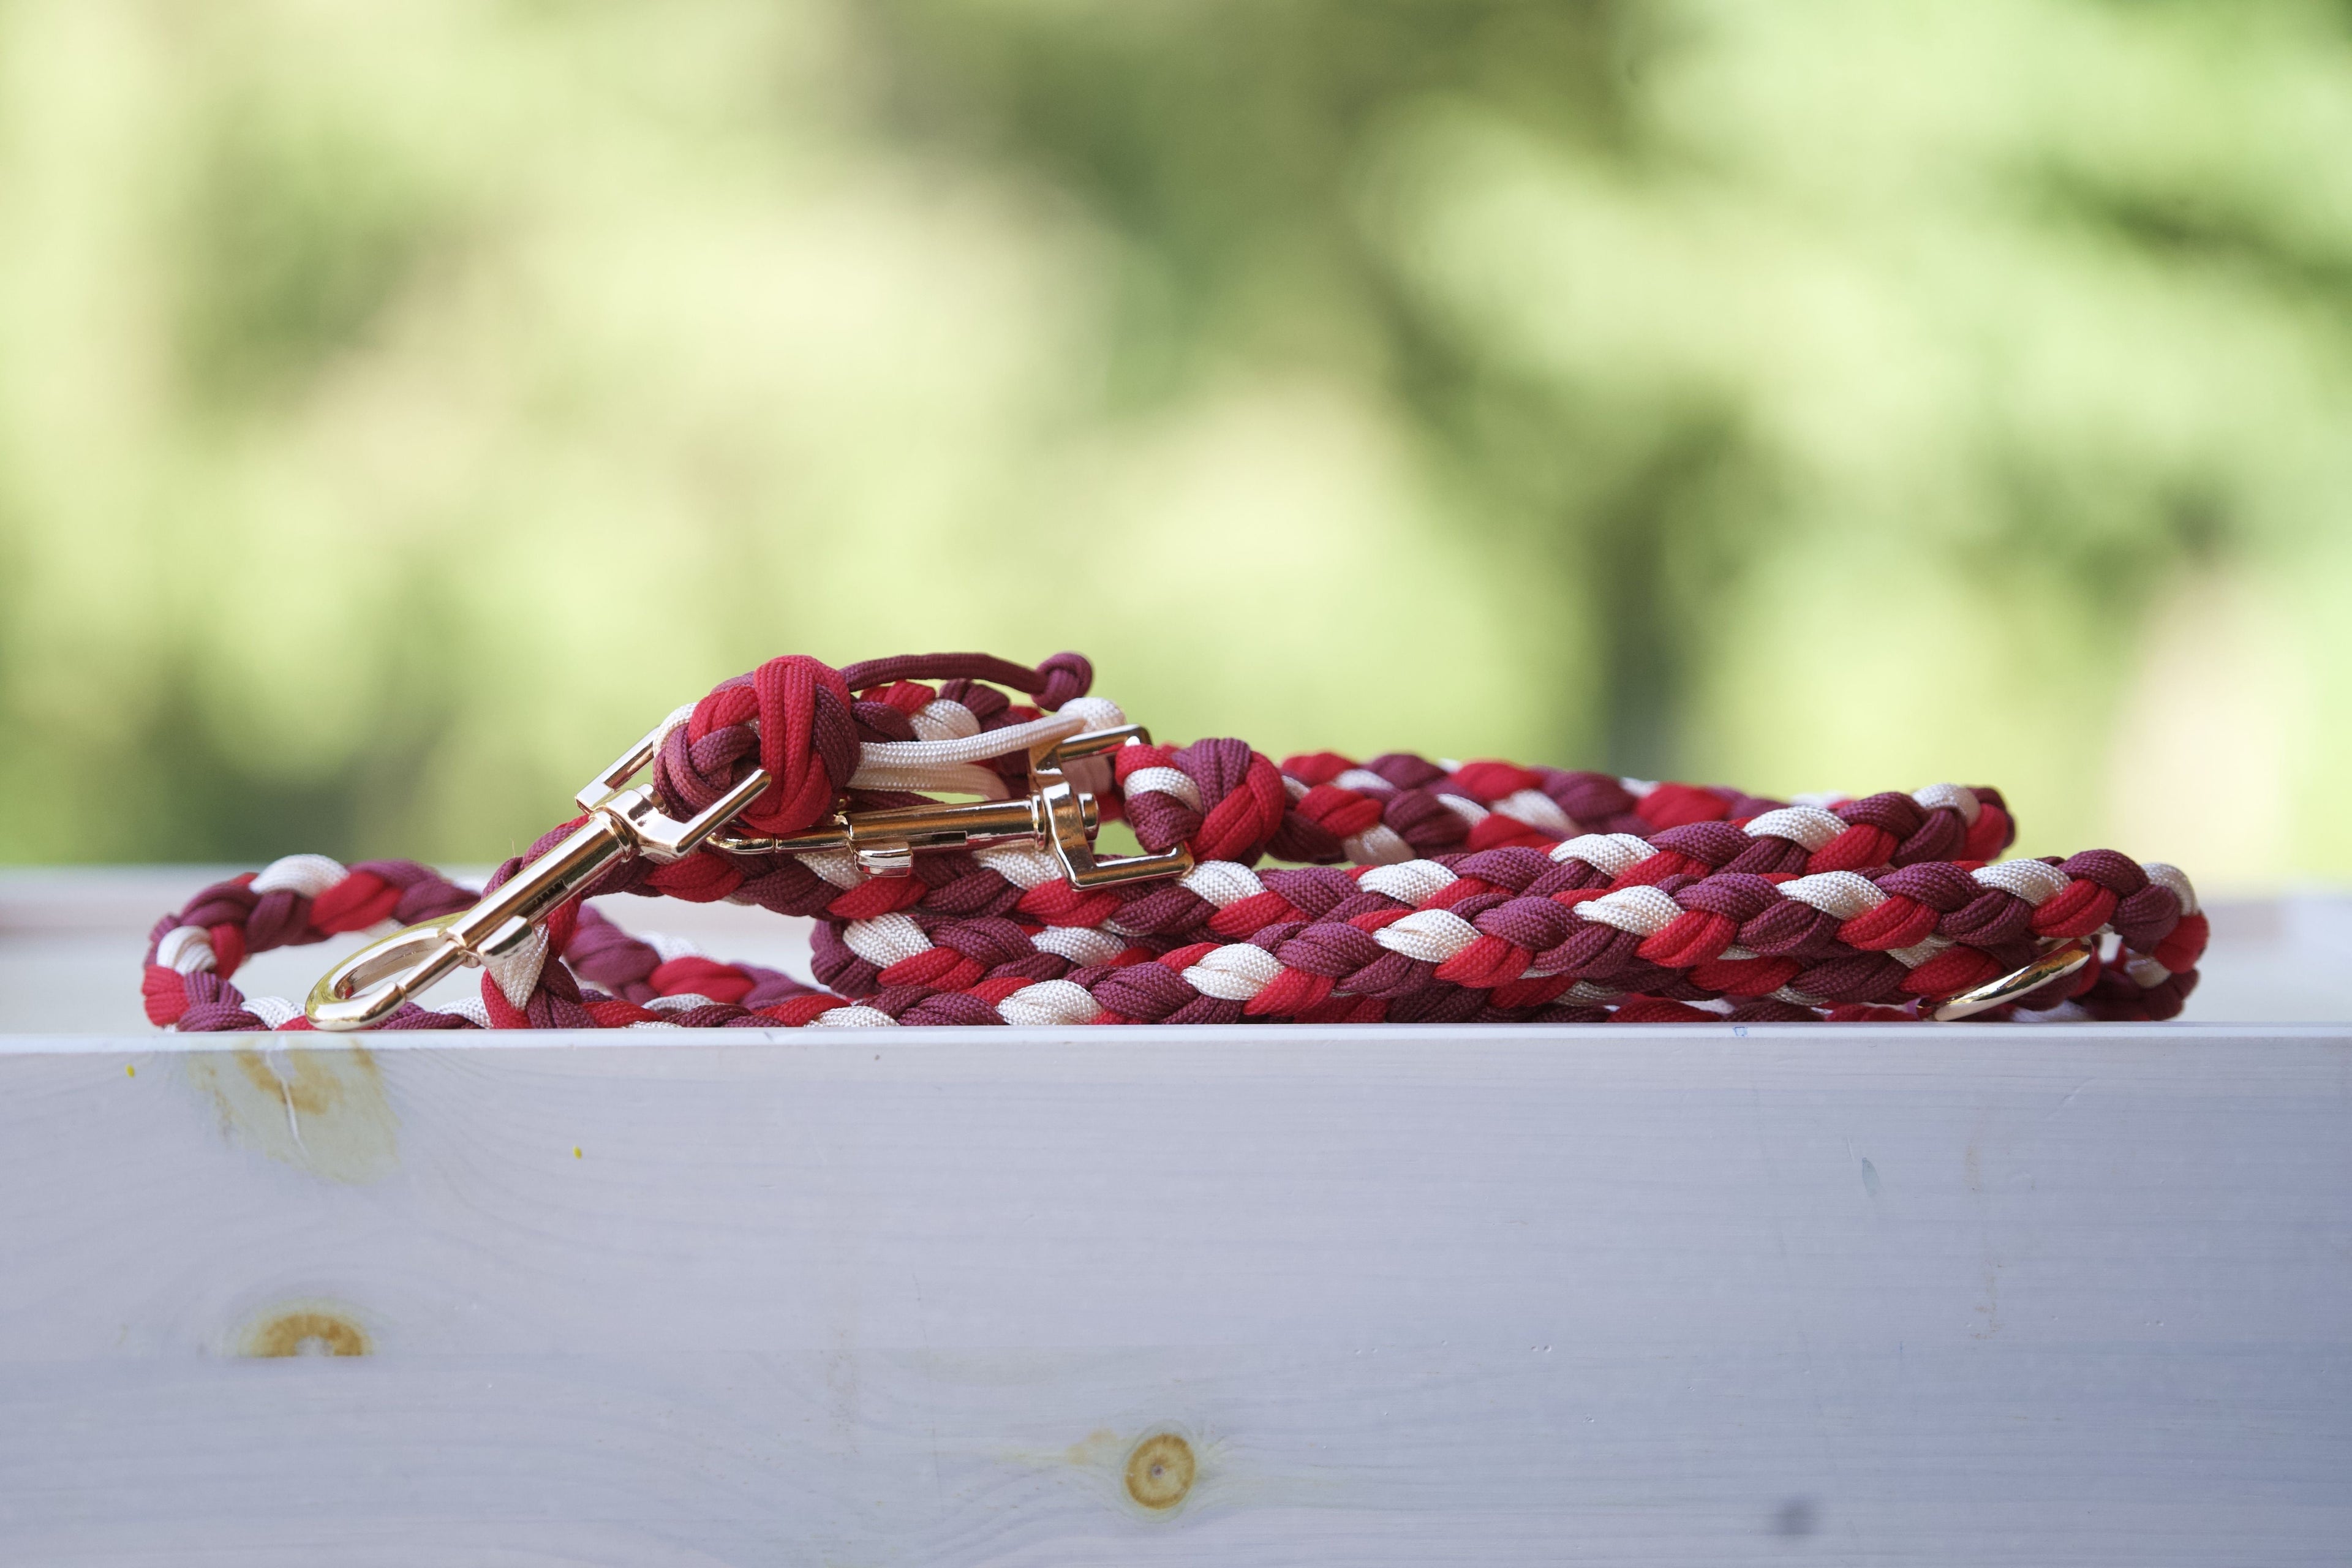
x=1478 y=892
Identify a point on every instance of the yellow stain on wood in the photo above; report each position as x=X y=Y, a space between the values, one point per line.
x=1099 y=1446
x=1159 y=1471
x=319 y=1109
x=316 y=1327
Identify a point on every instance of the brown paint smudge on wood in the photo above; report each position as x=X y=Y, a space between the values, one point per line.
x=312 y=1330
x=319 y=1109
x=1159 y=1471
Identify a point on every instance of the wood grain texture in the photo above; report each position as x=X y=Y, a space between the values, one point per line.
x=1843 y=1295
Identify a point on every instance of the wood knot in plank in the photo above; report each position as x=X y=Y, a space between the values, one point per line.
x=306 y=1331
x=1159 y=1471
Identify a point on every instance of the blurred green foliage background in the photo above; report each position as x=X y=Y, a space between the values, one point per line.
x=404 y=406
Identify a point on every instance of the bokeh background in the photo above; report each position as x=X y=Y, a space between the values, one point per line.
x=401 y=406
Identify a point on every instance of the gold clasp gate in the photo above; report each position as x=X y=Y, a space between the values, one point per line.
x=622 y=823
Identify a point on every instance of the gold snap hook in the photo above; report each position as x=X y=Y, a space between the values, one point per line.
x=371 y=985
x=1071 y=811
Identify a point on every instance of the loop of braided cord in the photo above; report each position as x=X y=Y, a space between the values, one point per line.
x=1496 y=935
x=1220 y=800
x=1481 y=891
x=1530 y=930
x=307 y=898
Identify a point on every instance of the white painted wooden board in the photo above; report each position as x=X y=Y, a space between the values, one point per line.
x=1976 y=1295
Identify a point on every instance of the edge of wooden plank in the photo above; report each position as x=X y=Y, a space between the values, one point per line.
x=1242 y=1037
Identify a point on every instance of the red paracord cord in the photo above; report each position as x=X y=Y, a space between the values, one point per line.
x=1492 y=892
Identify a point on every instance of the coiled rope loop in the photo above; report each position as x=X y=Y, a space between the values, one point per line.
x=1421 y=890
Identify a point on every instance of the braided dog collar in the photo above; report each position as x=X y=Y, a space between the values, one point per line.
x=1478 y=892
